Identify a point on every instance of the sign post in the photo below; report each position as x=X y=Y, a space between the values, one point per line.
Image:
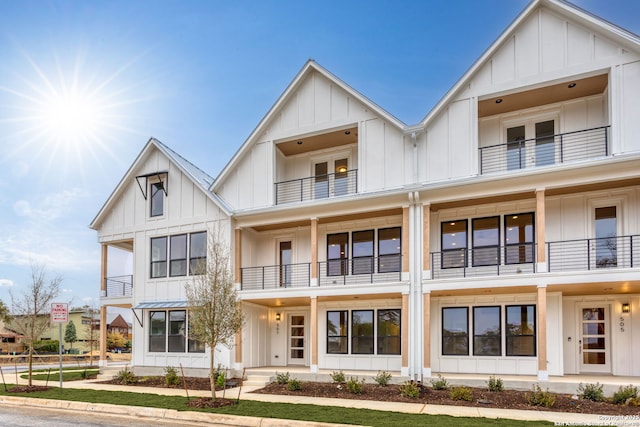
x=60 y=315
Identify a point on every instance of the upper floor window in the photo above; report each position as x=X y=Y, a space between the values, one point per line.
x=363 y=246
x=389 y=250
x=158 y=257
x=519 y=238
x=181 y=247
x=454 y=244
x=157 y=199
x=198 y=253
x=486 y=241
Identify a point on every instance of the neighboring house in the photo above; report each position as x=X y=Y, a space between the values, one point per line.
x=10 y=341
x=501 y=234
x=119 y=325
x=82 y=320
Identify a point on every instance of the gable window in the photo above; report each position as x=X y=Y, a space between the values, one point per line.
x=486 y=241
x=362 y=332
x=198 y=253
x=157 y=331
x=362 y=247
x=157 y=199
x=521 y=330
x=455 y=331
x=519 y=243
x=487 y=333
x=389 y=250
x=178 y=259
x=388 y=332
x=158 y=257
x=454 y=244
x=337 y=332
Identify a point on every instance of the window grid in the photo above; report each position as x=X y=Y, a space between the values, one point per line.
x=176 y=247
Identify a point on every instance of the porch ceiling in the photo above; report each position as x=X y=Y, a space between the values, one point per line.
x=545 y=95
x=485 y=291
x=302 y=301
x=319 y=142
x=601 y=288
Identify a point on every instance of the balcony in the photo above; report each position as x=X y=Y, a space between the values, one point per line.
x=357 y=271
x=484 y=261
x=119 y=286
x=317 y=187
x=276 y=276
x=549 y=150
x=594 y=254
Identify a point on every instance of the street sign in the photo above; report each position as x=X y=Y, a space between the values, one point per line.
x=59 y=312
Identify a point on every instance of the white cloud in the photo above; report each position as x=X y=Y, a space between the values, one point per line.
x=6 y=282
x=52 y=207
x=19 y=169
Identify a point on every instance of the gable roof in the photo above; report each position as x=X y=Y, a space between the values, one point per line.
x=626 y=38
x=309 y=67
x=195 y=174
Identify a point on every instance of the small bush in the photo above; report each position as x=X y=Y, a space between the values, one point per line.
x=495 y=384
x=382 y=378
x=621 y=396
x=125 y=376
x=537 y=397
x=461 y=393
x=282 y=379
x=355 y=386
x=410 y=389
x=591 y=392
x=221 y=381
x=440 y=383
x=338 y=377
x=171 y=376
x=294 y=385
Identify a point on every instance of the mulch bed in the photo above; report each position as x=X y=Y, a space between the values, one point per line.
x=27 y=389
x=207 y=402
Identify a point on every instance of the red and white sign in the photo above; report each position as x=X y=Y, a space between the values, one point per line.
x=59 y=312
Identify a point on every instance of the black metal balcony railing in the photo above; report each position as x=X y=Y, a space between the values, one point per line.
x=276 y=276
x=363 y=270
x=317 y=187
x=484 y=261
x=591 y=254
x=548 y=150
x=119 y=286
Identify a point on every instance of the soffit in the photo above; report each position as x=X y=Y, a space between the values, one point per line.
x=319 y=142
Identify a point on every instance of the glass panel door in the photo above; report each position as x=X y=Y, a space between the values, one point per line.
x=545 y=146
x=296 y=339
x=321 y=181
x=606 y=243
x=341 y=180
x=594 y=339
x=515 y=148
x=285 y=263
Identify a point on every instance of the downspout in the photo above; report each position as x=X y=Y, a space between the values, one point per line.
x=417 y=285
x=412 y=314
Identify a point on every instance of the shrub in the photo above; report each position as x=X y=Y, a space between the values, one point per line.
x=338 y=377
x=621 y=396
x=495 y=384
x=440 y=383
x=382 y=378
x=461 y=393
x=591 y=392
x=171 y=376
x=355 y=386
x=410 y=389
x=294 y=385
x=282 y=379
x=221 y=380
x=125 y=376
x=537 y=397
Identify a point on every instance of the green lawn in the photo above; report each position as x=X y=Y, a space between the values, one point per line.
x=329 y=414
x=66 y=376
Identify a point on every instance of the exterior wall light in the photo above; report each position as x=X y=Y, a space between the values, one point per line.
x=626 y=308
x=278 y=317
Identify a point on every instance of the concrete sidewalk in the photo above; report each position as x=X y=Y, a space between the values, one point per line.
x=559 y=418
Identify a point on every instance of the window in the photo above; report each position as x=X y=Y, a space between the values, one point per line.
x=321 y=183
x=487 y=334
x=545 y=146
x=515 y=148
x=519 y=238
x=337 y=254
x=362 y=332
x=341 y=177
x=454 y=244
x=388 y=331
x=198 y=253
x=195 y=346
x=521 y=330
x=159 y=257
x=455 y=331
x=178 y=258
x=157 y=331
x=389 y=250
x=177 y=331
x=157 y=199
x=486 y=241
x=606 y=242
x=337 y=332
x=286 y=258
x=362 y=249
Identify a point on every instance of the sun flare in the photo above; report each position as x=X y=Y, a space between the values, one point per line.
x=70 y=117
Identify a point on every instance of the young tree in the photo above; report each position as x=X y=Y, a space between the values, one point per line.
x=70 y=334
x=31 y=308
x=4 y=312
x=115 y=340
x=215 y=315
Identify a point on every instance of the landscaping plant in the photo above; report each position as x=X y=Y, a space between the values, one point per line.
x=591 y=392
x=538 y=397
x=338 y=377
x=410 y=389
x=440 y=383
x=355 y=386
x=382 y=378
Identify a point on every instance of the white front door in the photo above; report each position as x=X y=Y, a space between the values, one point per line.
x=297 y=339
x=594 y=344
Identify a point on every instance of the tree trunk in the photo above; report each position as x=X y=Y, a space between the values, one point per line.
x=212 y=372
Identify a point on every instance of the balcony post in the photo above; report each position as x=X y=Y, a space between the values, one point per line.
x=543 y=373
x=238 y=346
x=404 y=370
x=405 y=243
x=541 y=258
x=103 y=269
x=237 y=255
x=426 y=335
x=426 y=239
x=103 y=335
x=314 y=334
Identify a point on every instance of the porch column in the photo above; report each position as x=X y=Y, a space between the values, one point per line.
x=404 y=322
x=237 y=272
x=543 y=373
x=541 y=257
x=426 y=339
x=103 y=336
x=426 y=233
x=103 y=269
x=238 y=345
x=405 y=244
x=314 y=334
x=314 y=252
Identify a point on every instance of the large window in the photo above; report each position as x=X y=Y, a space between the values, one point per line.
x=337 y=254
x=389 y=332
x=455 y=331
x=337 y=332
x=521 y=330
x=454 y=244
x=519 y=238
x=362 y=335
x=198 y=253
x=486 y=241
x=158 y=257
x=157 y=199
x=178 y=258
x=171 y=336
x=389 y=250
x=362 y=244
x=487 y=333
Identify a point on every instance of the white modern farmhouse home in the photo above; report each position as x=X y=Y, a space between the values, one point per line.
x=501 y=234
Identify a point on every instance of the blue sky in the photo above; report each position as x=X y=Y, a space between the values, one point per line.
x=199 y=76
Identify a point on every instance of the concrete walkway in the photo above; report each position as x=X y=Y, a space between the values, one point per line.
x=559 y=418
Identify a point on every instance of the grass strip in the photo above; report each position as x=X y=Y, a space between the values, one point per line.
x=303 y=412
x=66 y=376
